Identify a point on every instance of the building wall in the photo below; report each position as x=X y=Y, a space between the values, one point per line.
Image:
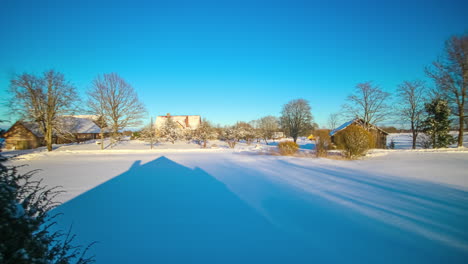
x=18 y=137
x=193 y=121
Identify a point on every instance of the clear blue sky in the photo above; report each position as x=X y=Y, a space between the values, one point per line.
x=228 y=60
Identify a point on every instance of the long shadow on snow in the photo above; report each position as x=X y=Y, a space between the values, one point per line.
x=366 y=217
x=163 y=212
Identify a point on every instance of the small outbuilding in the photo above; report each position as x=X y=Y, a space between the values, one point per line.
x=23 y=135
x=379 y=135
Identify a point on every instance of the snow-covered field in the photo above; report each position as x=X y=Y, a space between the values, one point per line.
x=182 y=204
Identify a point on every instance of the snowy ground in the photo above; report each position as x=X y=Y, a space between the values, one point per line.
x=182 y=204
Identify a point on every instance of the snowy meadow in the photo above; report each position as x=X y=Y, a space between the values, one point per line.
x=179 y=203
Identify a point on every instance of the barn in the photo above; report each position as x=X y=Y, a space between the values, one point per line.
x=28 y=135
x=379 y=135
x=23 y=135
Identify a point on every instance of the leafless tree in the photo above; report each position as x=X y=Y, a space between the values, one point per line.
x=43 y=99
x=333 y=120
x=268 y=125
x=148 y=133
x=411 y=99
x=368 y=102
x=113 y=99
x=296 y=118
x=450 y=73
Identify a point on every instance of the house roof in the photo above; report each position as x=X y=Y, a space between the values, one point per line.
x=356 y=120
x=70 y=124
x=33 y=127
x=80 y=124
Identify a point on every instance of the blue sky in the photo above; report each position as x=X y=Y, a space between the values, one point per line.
x=228 y=60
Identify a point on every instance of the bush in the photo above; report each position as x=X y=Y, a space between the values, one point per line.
x=322 y=142
x=25 y=223
x=355 y=141
x=287 y=148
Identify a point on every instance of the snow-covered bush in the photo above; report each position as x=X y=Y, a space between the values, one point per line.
x=170 y=131
x=25 y=235
x=287 y=148
x=230 y=136
x=322 y=142
x=204 y=133
x=424 y=141
x=354 y=141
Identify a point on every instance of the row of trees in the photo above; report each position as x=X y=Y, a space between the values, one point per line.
x=45 y=98
x=415 y=101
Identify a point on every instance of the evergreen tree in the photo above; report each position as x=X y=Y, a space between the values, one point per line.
x=25 y=235
x=437 y=123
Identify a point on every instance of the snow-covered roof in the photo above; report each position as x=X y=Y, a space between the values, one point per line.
x=34 y=128
x=80 y=124
x=356 y=120
x=70 y=124
x=343 y=126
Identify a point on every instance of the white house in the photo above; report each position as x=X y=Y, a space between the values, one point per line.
x=191 y=122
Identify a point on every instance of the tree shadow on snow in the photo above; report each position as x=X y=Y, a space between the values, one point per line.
x=163 y=212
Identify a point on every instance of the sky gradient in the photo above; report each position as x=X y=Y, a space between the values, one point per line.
x=228 y=60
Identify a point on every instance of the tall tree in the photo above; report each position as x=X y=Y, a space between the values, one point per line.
x=296 y=118
x=368 y=102
x=450 y=73
x=411 y=98
x=43 y=99
x=112 y=98
x=437 y=123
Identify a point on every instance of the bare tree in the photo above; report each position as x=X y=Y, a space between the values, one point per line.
x=296 y=118
x=333 y=120
x=450 y=73
x=268 y=125
x=368 y=102
x=411 y=98
x=112 y=98
x=148 y=133
x=43 y=99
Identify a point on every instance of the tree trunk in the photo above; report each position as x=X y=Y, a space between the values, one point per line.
x=204 y=143
x=49 y=137
x=460 y=130
x=415 y=135
x=102 y=139
x=295 y=139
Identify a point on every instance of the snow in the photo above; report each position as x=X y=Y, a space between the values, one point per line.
x=179 y=203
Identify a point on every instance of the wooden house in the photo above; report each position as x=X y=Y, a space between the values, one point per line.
x=27 y=135
x=23 y=135
x=379 y=135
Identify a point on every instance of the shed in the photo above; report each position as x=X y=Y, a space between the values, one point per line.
x=380 y=135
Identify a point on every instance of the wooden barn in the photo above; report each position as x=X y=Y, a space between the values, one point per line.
x=379 y=135
x=28 y=135
x=23 y=135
